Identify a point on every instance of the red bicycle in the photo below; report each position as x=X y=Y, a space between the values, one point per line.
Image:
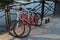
x=32 y=18
x=26 y=19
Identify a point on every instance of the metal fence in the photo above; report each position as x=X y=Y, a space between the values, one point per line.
x=46 y=8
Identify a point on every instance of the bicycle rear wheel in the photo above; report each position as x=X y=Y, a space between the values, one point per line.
x=38 y=20
x=27 y=30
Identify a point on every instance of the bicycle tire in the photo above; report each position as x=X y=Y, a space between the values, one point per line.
x=39 y=19
x=36 y=15
x=27 y=32
x=22 y=35
x=13 y=29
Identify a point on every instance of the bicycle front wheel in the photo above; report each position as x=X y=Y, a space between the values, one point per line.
x=10 y=30
x=18 y=29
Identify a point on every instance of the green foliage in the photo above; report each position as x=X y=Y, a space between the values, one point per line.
x=6 y=2
x=28 y=0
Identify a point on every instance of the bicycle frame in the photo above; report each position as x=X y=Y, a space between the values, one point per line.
x=29 y=19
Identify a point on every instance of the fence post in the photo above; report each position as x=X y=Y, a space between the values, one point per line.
x=54 y=7
x=42 y=15
x=7 y=16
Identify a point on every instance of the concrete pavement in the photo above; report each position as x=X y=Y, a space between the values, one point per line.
x=49 y=31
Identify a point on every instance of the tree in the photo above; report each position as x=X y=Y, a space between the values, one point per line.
x=28 y=0
x=6 y=2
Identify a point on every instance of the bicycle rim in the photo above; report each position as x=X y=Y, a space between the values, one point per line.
x=39 y=20
x=27 y=30
x=17 y=29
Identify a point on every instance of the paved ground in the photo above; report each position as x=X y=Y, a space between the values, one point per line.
x=49 y=31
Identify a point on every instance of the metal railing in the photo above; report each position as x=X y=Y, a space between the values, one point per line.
x=42 y=10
